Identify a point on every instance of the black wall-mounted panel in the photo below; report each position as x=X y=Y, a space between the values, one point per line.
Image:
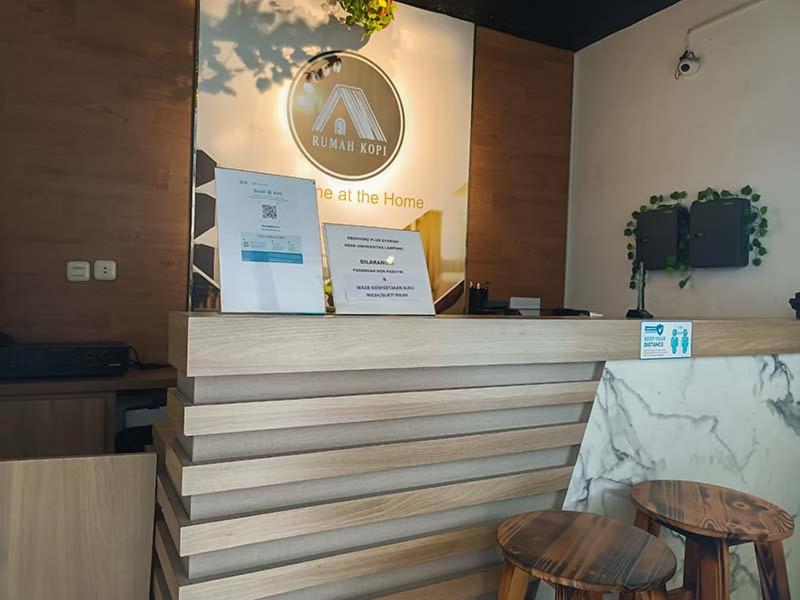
x=658 y=234
x=719 y=233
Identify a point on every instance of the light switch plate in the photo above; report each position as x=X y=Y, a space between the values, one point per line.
x=105 y=270
x=78 y=270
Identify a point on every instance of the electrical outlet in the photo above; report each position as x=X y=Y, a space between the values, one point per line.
x=105 y=270
x=78 y=270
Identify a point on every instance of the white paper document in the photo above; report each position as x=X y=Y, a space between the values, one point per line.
x=269 y=243
x=377 y=271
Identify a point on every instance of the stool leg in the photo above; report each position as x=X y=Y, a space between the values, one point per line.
x=772 y=570
x=565 y=593
x=649 y=525
x=714 y=570
x=691 y=565
x=513 y=583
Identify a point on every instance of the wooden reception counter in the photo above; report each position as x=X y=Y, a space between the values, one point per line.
x=372 y=457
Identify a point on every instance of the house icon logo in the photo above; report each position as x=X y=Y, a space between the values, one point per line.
x=346 y=115
x=358 y=109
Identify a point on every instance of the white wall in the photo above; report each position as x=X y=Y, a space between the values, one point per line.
x=638 y=132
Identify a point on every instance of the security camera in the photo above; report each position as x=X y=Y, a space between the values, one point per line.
x=688 y=65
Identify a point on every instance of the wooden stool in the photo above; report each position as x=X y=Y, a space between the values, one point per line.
x=713 y=518
x=582 y=555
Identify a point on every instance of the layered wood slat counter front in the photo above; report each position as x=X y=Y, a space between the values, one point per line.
x=210 y=344
x=322 y=458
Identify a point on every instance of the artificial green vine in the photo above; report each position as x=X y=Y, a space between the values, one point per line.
x=372 y=15
x=757 y=220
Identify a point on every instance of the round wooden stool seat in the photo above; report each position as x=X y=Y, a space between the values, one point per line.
x=584 y=551
x=712 y=511
x=712 y=519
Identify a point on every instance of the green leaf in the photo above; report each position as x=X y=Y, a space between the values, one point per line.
x=701 y=195
x=630 y=255
x=682 y=283
x=764 y=210
x=716 y=195
x=747 y=190
x=630 y=246
x=628 y=231
x=756 y=243
x=682 y=195
x=757 y=262
x=764 y=223
x=672 y=260
x=631 y=224
x=643 y=208
x=755 y=197
x=684 y=268
x=763 y=232
x=725 y=194
x=750 y=247
x=762 y=251
x=670 y=269
x=752 y=230
x=653 y=199
x=674 y=195
x=632 y=285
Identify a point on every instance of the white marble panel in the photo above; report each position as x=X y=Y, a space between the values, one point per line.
x=729 y=421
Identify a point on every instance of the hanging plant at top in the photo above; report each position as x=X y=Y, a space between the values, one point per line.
x=372 y=15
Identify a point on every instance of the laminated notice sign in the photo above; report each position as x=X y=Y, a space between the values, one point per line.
x=377 y=271
x=269 y=243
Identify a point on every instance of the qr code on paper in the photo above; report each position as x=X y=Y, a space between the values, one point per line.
x=269 y=211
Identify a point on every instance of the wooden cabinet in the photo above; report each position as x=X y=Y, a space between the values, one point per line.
x=76 y=528
x=67 y=417
x=56 y=425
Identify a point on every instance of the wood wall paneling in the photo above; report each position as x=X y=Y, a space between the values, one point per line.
x=96 y=165
x=96 y=148
x=519 y=174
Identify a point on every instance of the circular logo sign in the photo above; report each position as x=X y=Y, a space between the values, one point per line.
x=345 y=115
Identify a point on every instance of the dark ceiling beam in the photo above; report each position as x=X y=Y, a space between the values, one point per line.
x=545 y=22
x=597 y=20
x=569 y=24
